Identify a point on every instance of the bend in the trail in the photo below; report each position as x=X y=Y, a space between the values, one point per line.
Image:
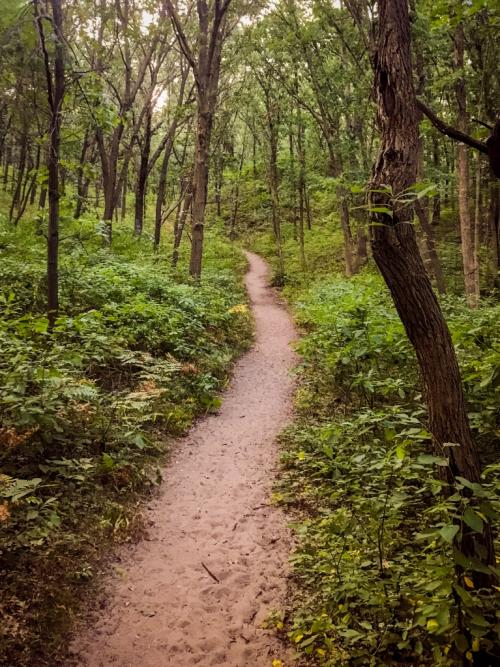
x=215 y=564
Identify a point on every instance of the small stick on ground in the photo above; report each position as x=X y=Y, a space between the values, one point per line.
x=210 y=573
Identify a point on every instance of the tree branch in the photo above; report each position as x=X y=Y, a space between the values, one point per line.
x=181 y=37
x=451 y=132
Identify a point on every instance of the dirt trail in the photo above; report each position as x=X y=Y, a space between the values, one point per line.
x=165 y=608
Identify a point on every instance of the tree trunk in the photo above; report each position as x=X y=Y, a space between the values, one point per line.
x=436 y=208
x=469 y=251
x=274 y=188
x=160 y=194
x=80 y=182
x=301 y=154
x=8 y=158
x=494 y=231
x=396 y=253
x=180 y=220
x=16 y=196
x=236 y=193
x=200 y=185
x=55 y=94
x=35 y=175
x=142 y=177
x=430 y=244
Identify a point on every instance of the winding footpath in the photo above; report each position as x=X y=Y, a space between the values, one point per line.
x=196 y=591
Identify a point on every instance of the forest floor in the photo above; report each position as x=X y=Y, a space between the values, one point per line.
x=213 y=566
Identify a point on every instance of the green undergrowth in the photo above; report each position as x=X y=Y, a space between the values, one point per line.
x=86 y=412
x=374 y=567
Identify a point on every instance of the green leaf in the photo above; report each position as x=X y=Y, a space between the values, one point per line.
x=437 y=460
x=473 y=520
x=449 y=532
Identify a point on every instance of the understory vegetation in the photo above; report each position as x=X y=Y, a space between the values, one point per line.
x=136 y=353
x=356 y=145
x=375 y=578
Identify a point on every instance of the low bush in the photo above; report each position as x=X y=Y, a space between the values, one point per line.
x=137 y=352
x=375 y=566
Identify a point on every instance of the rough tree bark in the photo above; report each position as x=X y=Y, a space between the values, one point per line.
x=396 y=253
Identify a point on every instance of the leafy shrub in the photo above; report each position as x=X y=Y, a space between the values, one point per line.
x=85 y=412
x=375 y=561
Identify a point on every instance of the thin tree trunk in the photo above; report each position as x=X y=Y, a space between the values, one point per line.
x=123 y=189
x=16 y=196
x=180 y=220
x=35 y=176
x=430 y=244
x=469 y=252
x=301 y=187
x=80 y=181
x=494 y=231
x=436 y=208
x=161 y=192
x=55 y=94
x=142 y=177
x=236 y=194
x=8 y=158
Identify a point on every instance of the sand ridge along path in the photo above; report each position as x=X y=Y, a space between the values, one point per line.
x=213 y=512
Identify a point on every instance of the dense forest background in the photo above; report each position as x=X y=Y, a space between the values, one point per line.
x=142 y=144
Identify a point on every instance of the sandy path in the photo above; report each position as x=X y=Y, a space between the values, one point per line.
x=214 y=509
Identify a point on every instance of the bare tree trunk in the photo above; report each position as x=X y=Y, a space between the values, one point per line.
x=181 y=217
x=494 y=231
x=236 y=192
x=55 y=94
x=124 y=187
x=430 y=245
x=8 y=158
x=206 y=68
x=35 y=175
x=469 y=251
x=142 y=176
x=16 y=196
x=396 y=253
x=200 y=185
x=80 y=182
x=160 y=194
x=436 y=208
x=301 y=187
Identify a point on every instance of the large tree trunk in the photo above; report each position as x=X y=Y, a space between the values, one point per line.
x=200 y=186
x=396 y=253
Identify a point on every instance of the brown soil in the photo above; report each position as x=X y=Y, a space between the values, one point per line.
x=215 y=564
